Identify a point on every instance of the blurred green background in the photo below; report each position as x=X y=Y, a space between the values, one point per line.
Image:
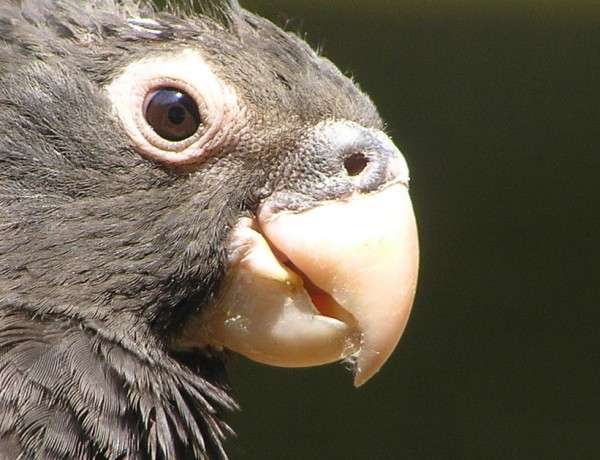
x=496 y=106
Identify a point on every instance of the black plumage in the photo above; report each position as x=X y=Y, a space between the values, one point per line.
x=106 y=253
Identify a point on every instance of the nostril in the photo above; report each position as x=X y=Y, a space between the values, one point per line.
x=355 y=164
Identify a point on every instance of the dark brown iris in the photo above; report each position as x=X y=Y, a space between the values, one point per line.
x=173 y=114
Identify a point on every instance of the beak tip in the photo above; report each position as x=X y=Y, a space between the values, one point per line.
x=360 y=378
x=368 y=363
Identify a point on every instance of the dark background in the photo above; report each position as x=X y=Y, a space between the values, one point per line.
x=496 y=106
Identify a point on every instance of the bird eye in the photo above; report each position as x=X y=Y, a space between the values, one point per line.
x=176 y=110
x=172 y=114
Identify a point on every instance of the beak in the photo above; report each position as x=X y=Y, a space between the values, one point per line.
x=333 y=282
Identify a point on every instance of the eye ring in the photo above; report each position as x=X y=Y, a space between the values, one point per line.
x=222 y=116
x=172 y=113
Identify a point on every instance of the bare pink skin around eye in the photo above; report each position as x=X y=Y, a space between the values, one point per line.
x=223 y=115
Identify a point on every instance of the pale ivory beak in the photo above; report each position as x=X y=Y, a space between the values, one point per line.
x=336 y=281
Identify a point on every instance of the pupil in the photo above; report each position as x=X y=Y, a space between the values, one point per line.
x=177 y=115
